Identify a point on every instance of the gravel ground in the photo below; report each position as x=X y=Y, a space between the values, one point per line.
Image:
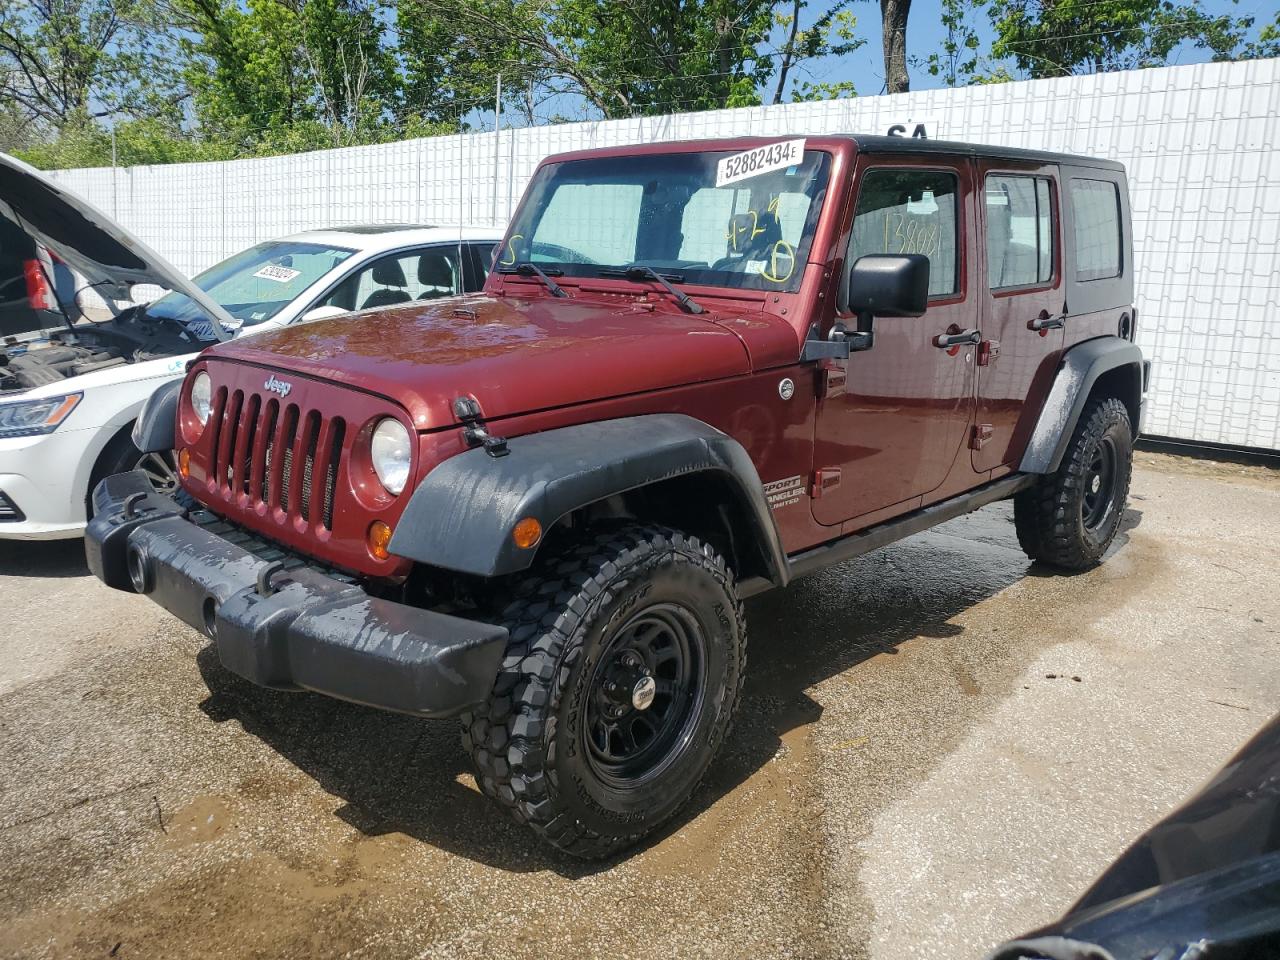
x=940 y=747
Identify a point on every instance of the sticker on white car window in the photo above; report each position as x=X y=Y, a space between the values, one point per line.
x=752 y=163
x=279 y=274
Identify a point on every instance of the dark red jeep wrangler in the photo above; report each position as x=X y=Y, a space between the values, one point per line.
x=698 y=371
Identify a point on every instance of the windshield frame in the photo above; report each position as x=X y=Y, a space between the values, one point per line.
x=533 y=207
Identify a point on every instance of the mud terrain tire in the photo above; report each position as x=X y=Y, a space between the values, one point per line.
x=1070 y=517
x=566 y=742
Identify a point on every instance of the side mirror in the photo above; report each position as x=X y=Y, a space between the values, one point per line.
x=889 y=285
x=321 y=313
x=877 y=285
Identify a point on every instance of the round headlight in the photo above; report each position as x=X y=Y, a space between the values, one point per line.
x=389 y=451
x=202 y=397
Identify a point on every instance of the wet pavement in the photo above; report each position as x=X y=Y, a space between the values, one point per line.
x=940 y=746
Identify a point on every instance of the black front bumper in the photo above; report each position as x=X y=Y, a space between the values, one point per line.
x=294 y=630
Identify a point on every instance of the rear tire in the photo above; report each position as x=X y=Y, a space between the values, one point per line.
x=622 y=675
x=1070 y=517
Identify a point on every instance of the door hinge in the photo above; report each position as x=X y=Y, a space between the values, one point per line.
x=834 y=376
x=824 y=478
x=988 y=350
x=982 y=432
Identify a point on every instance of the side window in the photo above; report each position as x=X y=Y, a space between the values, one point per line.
x=1019 y=231
x=911 y=211
x=1095 y=212
x=424 y=274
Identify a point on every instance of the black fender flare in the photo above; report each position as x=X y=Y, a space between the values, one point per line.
x=1079 y=370
x=461 y=515
x=153 y=431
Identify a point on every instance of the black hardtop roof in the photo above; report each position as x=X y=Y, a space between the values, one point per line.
x=879 y=144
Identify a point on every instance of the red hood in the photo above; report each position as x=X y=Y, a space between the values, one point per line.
x=513 y=355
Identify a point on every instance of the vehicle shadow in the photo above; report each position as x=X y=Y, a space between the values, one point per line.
x=402 y=774
x=43 y=558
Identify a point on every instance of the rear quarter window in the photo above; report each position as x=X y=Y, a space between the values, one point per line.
x=1095 y=212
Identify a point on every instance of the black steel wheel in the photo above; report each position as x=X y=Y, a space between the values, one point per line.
x=1099 y=494
x=623 y=670
x=645 y=695
x=1070 y=517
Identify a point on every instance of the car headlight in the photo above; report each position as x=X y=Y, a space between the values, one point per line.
x=30 y=418
x=389 y=451
x=202 y=397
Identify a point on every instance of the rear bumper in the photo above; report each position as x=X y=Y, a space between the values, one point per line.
x=295 y=630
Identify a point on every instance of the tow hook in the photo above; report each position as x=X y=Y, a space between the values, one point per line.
x=265 y=589
x=467 y=410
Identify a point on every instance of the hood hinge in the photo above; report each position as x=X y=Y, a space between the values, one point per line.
x=467 y=410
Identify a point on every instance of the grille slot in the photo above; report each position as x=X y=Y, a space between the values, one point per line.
x=9 y=512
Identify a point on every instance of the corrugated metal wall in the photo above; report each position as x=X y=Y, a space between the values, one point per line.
x=1200 y=143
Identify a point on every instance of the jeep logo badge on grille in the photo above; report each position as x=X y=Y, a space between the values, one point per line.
x=277 y=386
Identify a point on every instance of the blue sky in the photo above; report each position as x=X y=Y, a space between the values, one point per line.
x=925 y=35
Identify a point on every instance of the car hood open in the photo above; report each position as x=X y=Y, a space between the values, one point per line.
x=89 y=241
x=513 y=355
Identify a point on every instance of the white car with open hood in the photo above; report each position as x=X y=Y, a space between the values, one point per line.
x=69 y=395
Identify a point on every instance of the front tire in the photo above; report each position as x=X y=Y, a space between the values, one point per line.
x=1070 y=517
x=121 y=456
x=622 y=675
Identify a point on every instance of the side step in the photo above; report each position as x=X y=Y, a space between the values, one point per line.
x=882 y=534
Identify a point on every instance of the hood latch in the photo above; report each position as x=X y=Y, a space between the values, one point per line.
x=467 y=410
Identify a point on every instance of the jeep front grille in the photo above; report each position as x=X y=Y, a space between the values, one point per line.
x=266 y=451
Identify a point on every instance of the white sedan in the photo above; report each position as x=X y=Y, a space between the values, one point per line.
x=69 y=396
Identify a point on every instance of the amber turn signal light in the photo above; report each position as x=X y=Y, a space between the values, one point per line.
x=378 y=537
x=527 y=533
x=184 y=462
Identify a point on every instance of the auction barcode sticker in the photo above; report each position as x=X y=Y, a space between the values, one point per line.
x=773 y=156
x=273 y=271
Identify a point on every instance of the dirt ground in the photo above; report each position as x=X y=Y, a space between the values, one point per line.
x=940 y=747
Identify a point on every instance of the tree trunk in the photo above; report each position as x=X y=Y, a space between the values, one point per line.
x=893 y=19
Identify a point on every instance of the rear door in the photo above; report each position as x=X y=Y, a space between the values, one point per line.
x=1022 y=305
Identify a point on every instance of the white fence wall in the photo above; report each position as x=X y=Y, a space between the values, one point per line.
x=1201 y=143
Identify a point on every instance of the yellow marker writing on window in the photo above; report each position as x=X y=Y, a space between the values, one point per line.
x=511 y=251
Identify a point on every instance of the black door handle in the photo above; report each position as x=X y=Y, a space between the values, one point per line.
x=945 y=341
x=1046 y=322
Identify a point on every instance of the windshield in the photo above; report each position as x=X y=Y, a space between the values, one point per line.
x=256 y=284
x=729 y=219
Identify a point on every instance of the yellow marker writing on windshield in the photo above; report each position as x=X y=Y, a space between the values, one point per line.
x=780 y=254
x=511 y=250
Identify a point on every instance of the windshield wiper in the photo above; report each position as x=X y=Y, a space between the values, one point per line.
x=527 y=269
x=638 y=271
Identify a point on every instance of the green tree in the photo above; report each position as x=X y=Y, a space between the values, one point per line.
x=960 y=62
x=63 y=60
x=265 y=67
x=1058 y=38
x=622 y=57
x=1267 y=44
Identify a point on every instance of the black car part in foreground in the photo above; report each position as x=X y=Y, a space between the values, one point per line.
x=1203 y=884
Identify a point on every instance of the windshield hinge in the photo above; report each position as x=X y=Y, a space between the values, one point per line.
x=467 y=410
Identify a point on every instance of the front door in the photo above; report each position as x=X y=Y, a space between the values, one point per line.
x=1022 y=306
x=895 y=428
